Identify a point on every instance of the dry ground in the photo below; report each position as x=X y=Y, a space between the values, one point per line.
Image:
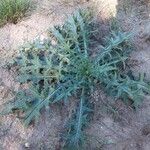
x=123 y=129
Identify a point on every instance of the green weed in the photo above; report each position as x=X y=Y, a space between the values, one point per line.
x=13 y=10
x=55 y=72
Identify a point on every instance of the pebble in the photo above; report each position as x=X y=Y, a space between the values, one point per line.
x=27 y=145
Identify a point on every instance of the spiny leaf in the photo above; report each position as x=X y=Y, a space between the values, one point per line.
x=75 y=135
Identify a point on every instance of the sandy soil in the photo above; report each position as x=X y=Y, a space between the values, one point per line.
x=123 y=130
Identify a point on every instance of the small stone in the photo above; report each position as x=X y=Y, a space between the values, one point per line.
x=27 y=145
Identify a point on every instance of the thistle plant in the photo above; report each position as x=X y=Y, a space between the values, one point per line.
x=56 y=72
